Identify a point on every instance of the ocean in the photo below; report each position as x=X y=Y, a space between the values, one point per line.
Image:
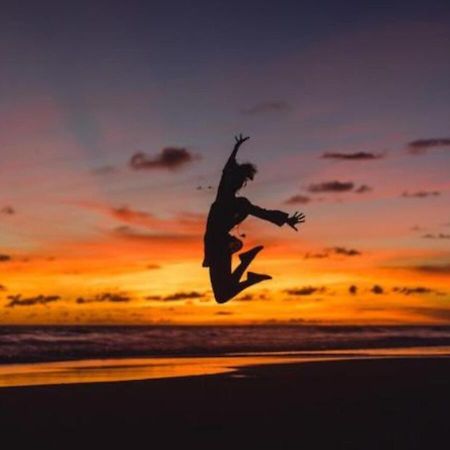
x=24 y=344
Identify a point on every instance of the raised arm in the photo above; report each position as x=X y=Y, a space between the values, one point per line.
x=239 y=140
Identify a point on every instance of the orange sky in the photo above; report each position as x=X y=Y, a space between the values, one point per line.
x=348 y=123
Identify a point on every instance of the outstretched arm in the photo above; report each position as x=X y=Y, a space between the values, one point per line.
x=277 y=217
x=239 y=140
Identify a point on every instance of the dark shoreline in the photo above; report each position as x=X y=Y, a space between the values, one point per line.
x=399 y=403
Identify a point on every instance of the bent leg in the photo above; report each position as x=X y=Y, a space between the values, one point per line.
x=224 y=283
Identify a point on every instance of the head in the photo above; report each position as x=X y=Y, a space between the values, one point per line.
x=241 y=174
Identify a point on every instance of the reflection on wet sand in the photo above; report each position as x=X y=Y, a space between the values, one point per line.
x=127 y=369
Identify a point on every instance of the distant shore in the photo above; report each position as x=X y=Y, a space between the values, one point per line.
x=399 y=403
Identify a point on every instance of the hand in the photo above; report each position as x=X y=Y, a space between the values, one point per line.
x=295 y=219
x=240 y=140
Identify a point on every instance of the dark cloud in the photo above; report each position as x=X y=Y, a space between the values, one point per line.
x=182 y=296
x=331 y=186
x=2 y=288
x=153 y=266
x=352 y=289
x=8 y=210
x=328 y=252
x=267 y=107
x=297 y=200
x=436 y=236
x=223 y=313
x=345 y=251
x=377 y=289
x=17 y=300
x=306 y=290
x=363 y=189
x=316 y=255
x=170 y=158
x=422 y=145
x=434 y=269
x=245 y=298
x=104 y=297
x=415 y=290
x=5 y=258
x=352 y=156
x=421 y=194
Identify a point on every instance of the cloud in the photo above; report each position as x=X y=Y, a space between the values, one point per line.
x=223 y=313
x=420 y=146
x=345 y=251
x=331 y=186
x=363 y=189
x=170 y=158
x=2 y=288
x=316 y=255
x=267 y=107
x=436 y=236
x=377 y=289
x=245 y=298
x=434 y=269
x=306 y=290
x=353 y=289
x=17 y=300
x=358 y=156
x=182 y=296
x=421 y=194
x=104 y=297
x=5 y=258
x=8 y=210
x=415 y=290
x=328 y=252
x=298 y=199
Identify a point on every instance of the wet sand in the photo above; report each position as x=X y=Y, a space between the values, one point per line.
x=399 y=403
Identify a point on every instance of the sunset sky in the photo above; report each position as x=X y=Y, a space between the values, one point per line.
x=117 y=118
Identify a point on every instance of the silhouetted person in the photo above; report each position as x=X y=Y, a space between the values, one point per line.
x=225 y=213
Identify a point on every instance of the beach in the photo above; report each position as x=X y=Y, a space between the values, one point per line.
x=395 y=403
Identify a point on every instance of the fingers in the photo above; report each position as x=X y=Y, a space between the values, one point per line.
x=239 y=139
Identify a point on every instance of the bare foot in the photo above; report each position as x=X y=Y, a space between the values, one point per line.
x=257 y=277
x=248 y=256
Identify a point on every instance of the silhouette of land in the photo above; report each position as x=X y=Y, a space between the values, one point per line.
x=365 y=404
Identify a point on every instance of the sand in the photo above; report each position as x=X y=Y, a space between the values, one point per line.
x=363 y=404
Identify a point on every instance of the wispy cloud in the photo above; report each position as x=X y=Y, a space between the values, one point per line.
x=436 y=236
x=434 y=268
x=421 y=194
x=298 y=200
x=182 y=296
x=415 y=290
x=331 y=186
x=8 y=210
x=170 y=158
x=104 y=297
x=305 y=290
x=420 y=146
x=17 y=300
x=5 y=258
x=357 y=156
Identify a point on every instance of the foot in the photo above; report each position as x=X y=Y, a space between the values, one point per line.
x=249 y=256
x=257 y=277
